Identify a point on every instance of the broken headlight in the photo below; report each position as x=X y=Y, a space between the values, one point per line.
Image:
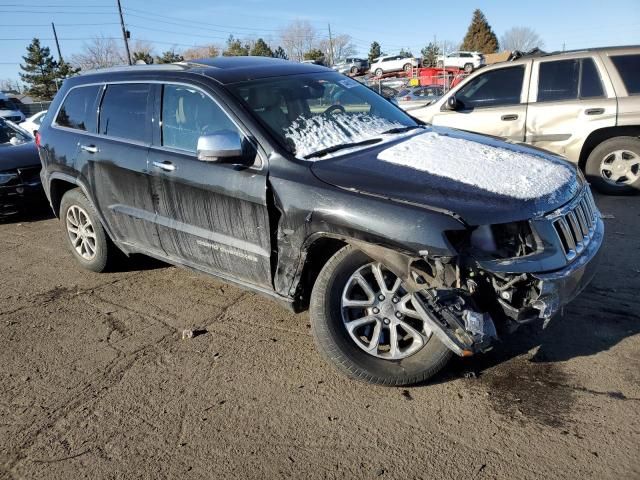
x=6 y=178
x=505 y=240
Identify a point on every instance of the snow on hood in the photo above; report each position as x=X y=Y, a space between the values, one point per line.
x=312 y=134
x=514 y=172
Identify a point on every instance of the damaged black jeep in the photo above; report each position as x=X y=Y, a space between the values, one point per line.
x=406 y=243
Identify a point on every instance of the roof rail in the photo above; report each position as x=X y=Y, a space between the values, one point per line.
x=127 y=68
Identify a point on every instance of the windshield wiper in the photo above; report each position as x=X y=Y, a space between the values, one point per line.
x=402 y=129
x=341 y=146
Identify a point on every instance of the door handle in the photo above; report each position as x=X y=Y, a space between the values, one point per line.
x=509 y=118
x=89 y=148
x=166 y=166
x=594 y=111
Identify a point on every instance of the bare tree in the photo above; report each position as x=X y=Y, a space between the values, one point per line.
x=447 y=46
x=343 y=47
x=10 y=85
x=297 y=38
x=202 y=51
x=100 y=52
x=521 y=38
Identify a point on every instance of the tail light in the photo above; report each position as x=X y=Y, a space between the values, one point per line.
x=38 y=139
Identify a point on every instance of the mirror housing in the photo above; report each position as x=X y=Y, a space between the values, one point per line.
x=221 y=147
x=452 y=103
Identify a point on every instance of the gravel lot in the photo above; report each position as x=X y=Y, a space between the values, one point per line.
x=96 y=381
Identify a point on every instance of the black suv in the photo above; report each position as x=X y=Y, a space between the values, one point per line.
x=406 y=242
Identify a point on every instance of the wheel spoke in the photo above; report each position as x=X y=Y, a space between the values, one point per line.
x=393 y=341
x=376 y=269
x=358 y=322
x=375 y=337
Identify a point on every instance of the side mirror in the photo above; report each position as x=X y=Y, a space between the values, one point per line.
x=222 y=147
x=452 y=103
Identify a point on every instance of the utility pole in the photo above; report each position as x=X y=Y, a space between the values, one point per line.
x=331 y=59
x=125 y=34
x=55 y=35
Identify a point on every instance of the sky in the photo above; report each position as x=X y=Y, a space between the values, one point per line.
x=411 y=25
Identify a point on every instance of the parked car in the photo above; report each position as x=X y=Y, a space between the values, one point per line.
x=467 y=61
x=32 y=123
x=584 y=105
x=406 y=242
x=20 y=185
x=393 y=63
x=354 y=66
x=9 y=110
x=417 y=97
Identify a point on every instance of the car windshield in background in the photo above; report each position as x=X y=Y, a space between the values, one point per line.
x=11 y=134
x=309 y=114
x=7 y=105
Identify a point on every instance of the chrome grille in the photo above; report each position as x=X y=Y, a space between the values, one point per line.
x=576 y=223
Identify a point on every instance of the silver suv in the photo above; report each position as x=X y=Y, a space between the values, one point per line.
x=584 y=105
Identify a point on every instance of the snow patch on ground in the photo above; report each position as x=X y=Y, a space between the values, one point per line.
x=516 y=174
x=312 y=134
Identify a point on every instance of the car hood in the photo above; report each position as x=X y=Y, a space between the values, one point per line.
x=18 y=156
x=481 y=179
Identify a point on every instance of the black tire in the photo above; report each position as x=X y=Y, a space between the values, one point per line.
x=335 y=344
x=440 y=64
x=468 y=67
x=379 y=72
x=354 y=70
x=104 y=249
x=606 y=148
x=406 y=67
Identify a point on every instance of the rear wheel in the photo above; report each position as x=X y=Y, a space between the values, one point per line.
x=364 y=323
x=613 y=167
x=440 y=64
x=468 y=67
x=354 y=70
x=378 y=72
x=84 y=234
x=406 y=67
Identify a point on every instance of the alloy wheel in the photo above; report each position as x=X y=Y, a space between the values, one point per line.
x=620 y=167
x=81 y=232
x=379 y=316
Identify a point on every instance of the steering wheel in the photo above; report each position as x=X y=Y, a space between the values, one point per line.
x=334 y=108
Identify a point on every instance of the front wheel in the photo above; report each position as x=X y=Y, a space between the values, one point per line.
x=354 y=70
x=379 y=72
x=363 y=322
x=440 y=64
x=613 y=167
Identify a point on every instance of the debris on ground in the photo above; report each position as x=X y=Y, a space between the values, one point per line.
x=189 y=333
x=607 y=215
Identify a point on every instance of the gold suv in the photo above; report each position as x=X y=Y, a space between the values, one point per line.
x=584 y=105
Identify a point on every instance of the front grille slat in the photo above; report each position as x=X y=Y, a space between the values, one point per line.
x=575 y=224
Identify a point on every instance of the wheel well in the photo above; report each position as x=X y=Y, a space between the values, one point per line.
x=316 y=256
x=596 y=137
x=56 y=191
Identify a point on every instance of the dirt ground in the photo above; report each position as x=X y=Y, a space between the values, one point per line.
x=96 y=381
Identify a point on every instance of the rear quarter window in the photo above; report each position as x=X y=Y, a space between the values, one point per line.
x=628 y=67
x=78 y=109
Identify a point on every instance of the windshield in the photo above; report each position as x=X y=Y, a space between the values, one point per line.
x=7 y=105
x=310 y=113
x=11 y=134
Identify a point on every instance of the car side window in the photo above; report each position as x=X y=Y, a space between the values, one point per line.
x=628 y=67
x=124 y=112
x=493 y=88
x=78 y=109
x=590 y=83
x=187 y=114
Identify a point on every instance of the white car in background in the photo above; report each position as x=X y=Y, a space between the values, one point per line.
x=467 y=61
x=393 y=63
x=32 y=124
x=9 y=110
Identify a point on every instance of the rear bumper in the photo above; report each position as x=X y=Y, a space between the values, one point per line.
x=560 y=287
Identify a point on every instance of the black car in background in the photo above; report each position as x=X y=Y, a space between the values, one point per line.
x=406 y=243
x=20 y=185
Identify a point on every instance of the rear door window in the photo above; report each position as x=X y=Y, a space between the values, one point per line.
x=126 y=112
x=78 y=109
x=494 y=88
x=187 y=114
x=628 y=67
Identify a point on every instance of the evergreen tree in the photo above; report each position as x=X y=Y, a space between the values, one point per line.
x=374 y=52
x=261 y=49
x=480 y=36
x=430 y=55
x=235 y=48
x=144 y=56
x=65 y=70
x=405 y=53
x=169 y=57
x=280 y=53
x=40 y=71
x=315 y=54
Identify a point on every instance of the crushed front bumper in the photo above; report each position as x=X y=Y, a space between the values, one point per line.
x=558 y=288
x=21 y=192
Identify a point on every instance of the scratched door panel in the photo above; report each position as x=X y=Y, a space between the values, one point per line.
x=214 y=216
